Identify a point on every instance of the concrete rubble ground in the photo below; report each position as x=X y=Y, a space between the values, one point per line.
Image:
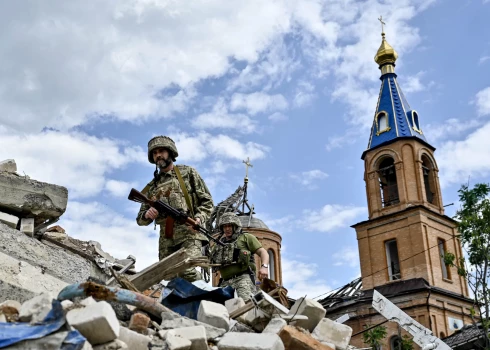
x=38 y=260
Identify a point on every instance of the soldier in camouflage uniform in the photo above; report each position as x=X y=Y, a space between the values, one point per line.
x=237 y=257
x=166 y=186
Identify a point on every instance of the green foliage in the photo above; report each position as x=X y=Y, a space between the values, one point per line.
x=373 y=337
x=407 y=343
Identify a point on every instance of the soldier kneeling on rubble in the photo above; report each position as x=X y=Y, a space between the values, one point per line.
x=236 y=257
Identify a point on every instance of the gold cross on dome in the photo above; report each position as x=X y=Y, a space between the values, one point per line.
x=382 y=24
x=247 y=165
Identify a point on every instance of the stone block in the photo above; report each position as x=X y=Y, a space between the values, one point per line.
x=139 y=323
x=310 y=308
x=8 y=166
x=275 y=326
x=257 y=319
x=234 y=304
x=250 y=341
x=196 y=334
x=36 y=309
x=328 y=331
x=135 y=341
x=293 y=339
x=175 y=342
x=97 y=322
x=25 y=197
x=88 y=301
x=213 y=314
x=9 y=220
x=65 y=304
x=27 y=226
x=172 y=320
x=113 y=345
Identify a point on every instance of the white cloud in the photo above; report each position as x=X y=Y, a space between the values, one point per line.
x=306 y=178
x=140 y=48
x=219 y=118
x=483 y=59
x=304 y=94
x=258 y=102
x=301 y=279
x=413 y=83
x=347 y=256
x=75 y=160
x=278 y=117
x=450 y=128
x=118 y=235
x=331 y=217
x=483 y=102
x=459 y=159
x=203 y=145
x=119 y=188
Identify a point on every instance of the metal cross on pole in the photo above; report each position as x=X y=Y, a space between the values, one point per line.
x=247 y=165
x=382 y=24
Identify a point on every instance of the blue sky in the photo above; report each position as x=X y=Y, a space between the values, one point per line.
x=290 y=84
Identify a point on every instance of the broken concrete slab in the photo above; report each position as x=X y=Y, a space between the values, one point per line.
x=275 y=326
x=97 y=322
x=28 y=266
x=8 y=166
x=294 y=339
x=36 y=309
x=196 y=334
x=135 y=341
x=26 y=197
x=311 y=308
x=27 y=226
x=173 y=320
x=213 y=314
x=9 y=220
x=175 y=342
x=235 y=304
x=328 y=331
x=250 y=341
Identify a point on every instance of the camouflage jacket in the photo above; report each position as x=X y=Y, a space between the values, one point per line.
x=167 y=189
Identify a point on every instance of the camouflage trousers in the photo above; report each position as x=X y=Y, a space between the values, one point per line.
x=243 y=286
x=193 y=247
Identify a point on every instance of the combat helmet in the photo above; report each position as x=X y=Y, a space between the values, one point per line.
x=165 y=142
x=230 y=218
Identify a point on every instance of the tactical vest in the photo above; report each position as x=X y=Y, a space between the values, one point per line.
x=230 y=254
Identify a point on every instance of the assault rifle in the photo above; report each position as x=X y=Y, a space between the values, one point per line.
x=178 y=215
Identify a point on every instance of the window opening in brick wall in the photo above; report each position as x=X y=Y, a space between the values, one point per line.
x=272 y=265
x=387 y=182
x=429 y=179
x=442 y=252
x=393 y=260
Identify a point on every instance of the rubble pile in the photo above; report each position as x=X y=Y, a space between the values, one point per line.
x=86 y=323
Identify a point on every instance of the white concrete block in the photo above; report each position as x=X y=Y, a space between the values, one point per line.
x=196 y=334
x=9 y=220
x=250 y=341
x=311 y=308
x=234 y=304
x=113 y=345
x=88 y=301
x=275 y=326
x=257 y=319
x=36 y=309
x=213 y=314
x=97 y=322
x=333 y=332
x=175 y=342
x=8 y=165
x=134 y=340
x=65 y=304
x=27 y=226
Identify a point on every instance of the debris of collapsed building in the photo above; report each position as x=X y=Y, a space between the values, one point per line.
x=57 y=292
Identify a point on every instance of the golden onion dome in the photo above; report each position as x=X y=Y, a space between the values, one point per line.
x=386 y=54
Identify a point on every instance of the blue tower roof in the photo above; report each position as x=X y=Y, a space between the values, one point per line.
x=394 y=118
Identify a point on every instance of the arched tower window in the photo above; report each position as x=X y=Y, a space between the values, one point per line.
x=429 y=179
x=395 y=343
x=387 y=182
x=382 y=122
x=272 y=265
x=415 y=121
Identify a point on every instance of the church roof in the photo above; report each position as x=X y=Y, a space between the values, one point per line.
x=394 y=117
x=252 y=222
